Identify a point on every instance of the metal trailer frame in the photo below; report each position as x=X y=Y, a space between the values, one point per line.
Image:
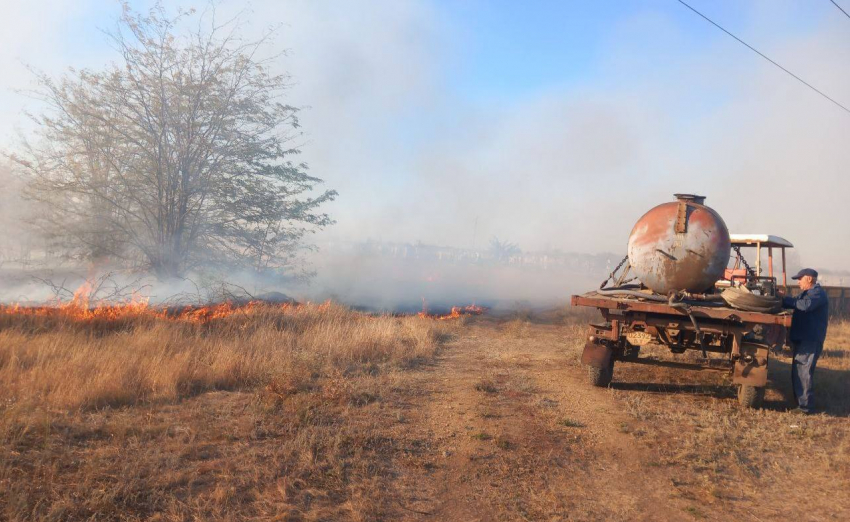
x=629 y=323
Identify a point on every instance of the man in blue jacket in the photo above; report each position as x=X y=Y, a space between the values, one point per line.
x=808 y=331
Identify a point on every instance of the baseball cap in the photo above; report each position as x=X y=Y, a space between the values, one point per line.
x=806 y=272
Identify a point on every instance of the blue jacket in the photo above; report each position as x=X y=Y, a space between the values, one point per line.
x=811 y=314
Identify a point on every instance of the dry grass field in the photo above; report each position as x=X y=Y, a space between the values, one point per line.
x=317 y=412
x=269 y=412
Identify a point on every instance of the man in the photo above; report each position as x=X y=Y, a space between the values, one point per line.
x=808 y=331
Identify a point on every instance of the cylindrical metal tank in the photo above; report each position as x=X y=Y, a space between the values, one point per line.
x=681 y=245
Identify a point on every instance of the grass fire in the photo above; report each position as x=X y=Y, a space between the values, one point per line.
x=411 y=260
x=315 y=411
x=290 y=384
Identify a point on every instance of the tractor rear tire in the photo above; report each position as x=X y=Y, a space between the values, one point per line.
x=600 y=377
x=750 y=396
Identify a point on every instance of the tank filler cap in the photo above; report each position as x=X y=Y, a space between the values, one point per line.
x=690 y=198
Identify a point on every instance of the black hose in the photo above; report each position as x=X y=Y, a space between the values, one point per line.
x=623 y=287
x=634 y=293
x=708 y=298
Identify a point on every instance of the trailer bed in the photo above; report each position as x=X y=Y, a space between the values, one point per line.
x=636 y=304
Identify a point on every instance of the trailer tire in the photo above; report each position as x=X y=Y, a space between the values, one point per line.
x=750 y=396
x=600 y=377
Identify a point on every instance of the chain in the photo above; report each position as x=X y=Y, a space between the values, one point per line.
x=750 y=271
x=611 y=275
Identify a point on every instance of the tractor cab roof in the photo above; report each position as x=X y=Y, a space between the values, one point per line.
x=765 y=240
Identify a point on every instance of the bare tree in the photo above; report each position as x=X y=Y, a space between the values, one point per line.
x=179 y=155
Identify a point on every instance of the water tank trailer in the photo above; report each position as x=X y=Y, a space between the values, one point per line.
x=675 y=289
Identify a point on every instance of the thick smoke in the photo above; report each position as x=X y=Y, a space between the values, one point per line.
x=574 y=166
x=564 y=168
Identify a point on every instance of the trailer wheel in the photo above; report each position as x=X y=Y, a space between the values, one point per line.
x=750 y=396
x=600 y=376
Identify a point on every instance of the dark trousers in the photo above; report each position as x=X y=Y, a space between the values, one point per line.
x=806 y=355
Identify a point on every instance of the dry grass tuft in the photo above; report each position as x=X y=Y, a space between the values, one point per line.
x=518 y=328
x=570 y=423
x=486 y=385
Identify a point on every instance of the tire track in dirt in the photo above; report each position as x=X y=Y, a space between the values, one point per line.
x=506 y=429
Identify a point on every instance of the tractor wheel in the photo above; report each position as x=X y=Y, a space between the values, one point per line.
x=600 y=376
x=750 y=396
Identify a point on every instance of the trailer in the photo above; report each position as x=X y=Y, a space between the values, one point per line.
x=742 y=339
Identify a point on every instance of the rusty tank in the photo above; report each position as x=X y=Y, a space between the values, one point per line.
x=681 y=245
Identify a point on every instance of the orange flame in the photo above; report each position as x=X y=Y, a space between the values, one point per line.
x=456 y=312
x=83 y=308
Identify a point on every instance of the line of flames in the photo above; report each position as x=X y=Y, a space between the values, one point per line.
x=457 y=311
x=80 y=308
x=110 y=312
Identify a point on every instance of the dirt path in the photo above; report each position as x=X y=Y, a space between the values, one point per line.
x=506 y=429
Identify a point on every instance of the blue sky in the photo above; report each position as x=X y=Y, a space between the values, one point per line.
x=513 y=48
x=427 y=115
x=503 y=49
